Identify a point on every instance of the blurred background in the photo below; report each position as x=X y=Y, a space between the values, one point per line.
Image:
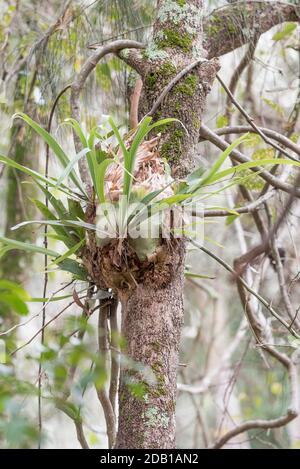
x=224 y=378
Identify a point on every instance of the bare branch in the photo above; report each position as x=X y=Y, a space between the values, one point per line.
x=101 y=391
x=115 y=355
x=250 y=120
x=235 y=272
x=77 y=422
x=211 y=136
x=240 y=129
x=253 y=206
x=282 y=284
x=293 y=409
x=80 y=434
x=237 y=74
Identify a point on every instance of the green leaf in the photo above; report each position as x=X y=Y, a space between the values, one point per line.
x=62 y=232
x=230 y=219
x=222 y=121
x=14 y=302
x=69 y=409
x=84 y=143
x=193 y=275
x=75 y=209
x=195 y=175
x=119 y=138
x=53 y=144
x=274 y=106
x=71 y=165
x=60 y=237
x=15 y=288
x=100 y=178
x=229 y=210
x=72 y=266
x=4 y=250
x=27 y=247
x=34 y=174
x=208 y=179
x=45 y=300
x=68 y=253
x=78 y=130
x=74 y=223
x=285 y=32
x=57 y=204
x=161 y=122
x=141 y=133
x=252 y=164
x=143 y=206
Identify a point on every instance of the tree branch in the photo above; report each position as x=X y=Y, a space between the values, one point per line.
x=77 y=87
x=253 y=206
x=211 y=136
x=101 y=391
x=115 y=355
x=250 y=120
x=241 y=129
x=293 y=409
x=237 y=24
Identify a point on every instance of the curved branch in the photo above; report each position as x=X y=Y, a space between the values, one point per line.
x=101 y=391
x=253 y=206
x=274 y=181
x=240 y=129
x=237 y=74
x=77 y=87
x=293 y=409
x=237 y=24
x=264 y=424
x=235 y=272
x=250 y=120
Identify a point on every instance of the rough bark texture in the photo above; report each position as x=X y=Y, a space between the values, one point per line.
x=234 y=25
x=152 y=317
x=153 y=311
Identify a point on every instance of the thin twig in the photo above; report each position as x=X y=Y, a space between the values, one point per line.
x=42 y=328
x=45 y=264
x=212 y=137
x=173 y=82
x=293 y=409
x=250 y=120
x=115 y=355
x=253 y=206
x=238 y=72
x=230 y=269
x=240 y=129
x=282 y=284
x=101 y=391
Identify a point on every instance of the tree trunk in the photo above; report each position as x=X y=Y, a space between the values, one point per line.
x=151 y=292
x=153 y=313
x=151 y=322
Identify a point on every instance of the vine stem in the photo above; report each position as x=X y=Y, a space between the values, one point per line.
x=46 y=278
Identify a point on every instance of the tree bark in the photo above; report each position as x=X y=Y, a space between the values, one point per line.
x=153 y=312
x=151 y=292
x=152 y=318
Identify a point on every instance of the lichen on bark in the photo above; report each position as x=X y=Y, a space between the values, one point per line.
x=152 y=305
